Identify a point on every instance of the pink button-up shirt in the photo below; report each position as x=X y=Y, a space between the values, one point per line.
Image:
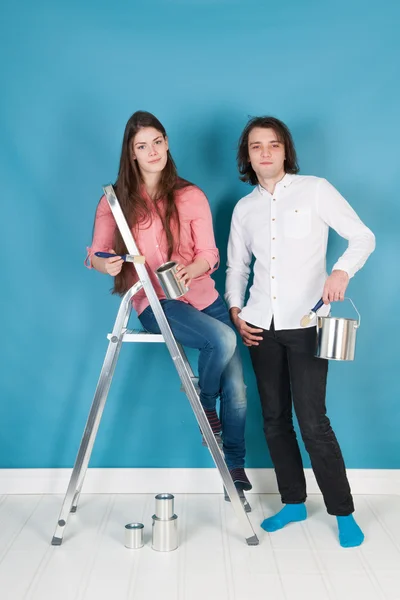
x=196 y=241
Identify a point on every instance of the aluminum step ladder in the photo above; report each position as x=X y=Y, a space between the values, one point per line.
x=119 y=335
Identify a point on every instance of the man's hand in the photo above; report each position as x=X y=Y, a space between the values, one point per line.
x=246 y=332
x=335 y=286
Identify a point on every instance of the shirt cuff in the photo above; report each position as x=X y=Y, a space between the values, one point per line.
x=234 y=300
x=211 y=257
x=343 y=266
x=88 y=260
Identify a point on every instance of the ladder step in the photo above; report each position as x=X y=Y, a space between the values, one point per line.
x=137 y=335
x=195 y=381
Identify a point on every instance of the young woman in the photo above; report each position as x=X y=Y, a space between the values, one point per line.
x=171 y=220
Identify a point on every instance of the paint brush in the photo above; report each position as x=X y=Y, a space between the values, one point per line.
x=306 y=320
x=133 y=258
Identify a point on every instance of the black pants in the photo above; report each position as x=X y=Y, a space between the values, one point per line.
x=287 y=371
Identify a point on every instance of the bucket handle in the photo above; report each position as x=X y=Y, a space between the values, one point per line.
x=359 y=316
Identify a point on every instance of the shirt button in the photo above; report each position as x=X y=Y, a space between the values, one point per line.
x=273 y=258
x=273 y=239
x=274 y=199
x=273 y=276
x=274 y=297
x=273 y=219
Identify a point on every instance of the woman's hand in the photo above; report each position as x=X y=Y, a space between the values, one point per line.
x=113 y=265
x=186 y=273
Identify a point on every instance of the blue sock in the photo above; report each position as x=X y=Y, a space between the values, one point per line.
x=290 y=513
x=350 y=535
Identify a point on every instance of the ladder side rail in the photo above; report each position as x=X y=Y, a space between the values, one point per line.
x=180 y=365
x=100 y=396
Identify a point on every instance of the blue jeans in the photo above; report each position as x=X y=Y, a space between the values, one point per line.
x=220 y=367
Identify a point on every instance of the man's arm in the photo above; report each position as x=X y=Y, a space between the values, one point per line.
x=237 y=277
x=238 y=264
x=339 y=215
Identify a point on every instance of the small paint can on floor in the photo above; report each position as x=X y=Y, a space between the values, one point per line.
x=134 y=535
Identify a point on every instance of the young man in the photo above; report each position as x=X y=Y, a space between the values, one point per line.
x=284 y=222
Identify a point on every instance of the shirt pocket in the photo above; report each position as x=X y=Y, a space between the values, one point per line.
x=297 y=223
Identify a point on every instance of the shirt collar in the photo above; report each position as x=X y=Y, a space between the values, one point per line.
x=284 y=182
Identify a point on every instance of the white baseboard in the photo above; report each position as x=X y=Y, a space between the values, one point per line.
x=178 y=481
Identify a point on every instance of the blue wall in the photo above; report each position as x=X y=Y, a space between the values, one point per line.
x=72 y=76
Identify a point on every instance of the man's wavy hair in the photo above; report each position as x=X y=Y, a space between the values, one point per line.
x=247 y=173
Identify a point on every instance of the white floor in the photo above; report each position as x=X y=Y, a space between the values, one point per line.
x=303 y=561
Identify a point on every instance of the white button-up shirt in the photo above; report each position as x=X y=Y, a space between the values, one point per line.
x=287 y=233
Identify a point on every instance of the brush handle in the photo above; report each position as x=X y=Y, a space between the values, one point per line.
x=317 y=306
x=109 y=255
x=130 y=258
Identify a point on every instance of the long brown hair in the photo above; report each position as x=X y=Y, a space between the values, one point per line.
x=134 y=206
x=246 y=171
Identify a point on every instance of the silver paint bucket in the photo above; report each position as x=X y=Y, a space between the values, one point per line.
x=336 y=337
x=165 y=524
x=167 y=276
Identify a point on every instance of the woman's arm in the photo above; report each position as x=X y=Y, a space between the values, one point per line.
x=196 y=269
x=103 y=240
x=206 y=255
